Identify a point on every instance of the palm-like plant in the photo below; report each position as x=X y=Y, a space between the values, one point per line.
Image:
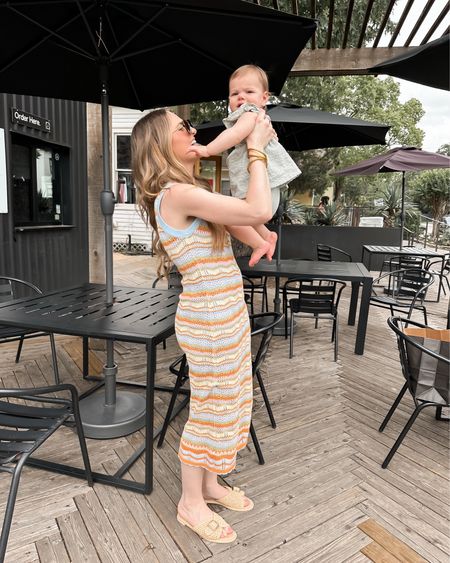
x=332 y=215
x=391 y=207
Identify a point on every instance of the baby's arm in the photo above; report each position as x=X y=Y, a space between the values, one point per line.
x=230 y=137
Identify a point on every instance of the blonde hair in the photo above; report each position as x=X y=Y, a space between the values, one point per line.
x=261 y=74
x=154 y=164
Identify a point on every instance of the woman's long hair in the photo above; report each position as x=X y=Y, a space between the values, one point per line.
x=154 y=165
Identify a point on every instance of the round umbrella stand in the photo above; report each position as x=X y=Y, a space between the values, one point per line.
x=103 y=421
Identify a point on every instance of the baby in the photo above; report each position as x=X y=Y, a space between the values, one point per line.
x=249 y=92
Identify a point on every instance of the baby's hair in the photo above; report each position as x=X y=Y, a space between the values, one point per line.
x=262 y=75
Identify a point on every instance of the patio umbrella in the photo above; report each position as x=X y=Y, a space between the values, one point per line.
x=301 y=129
x=400 y=159
x=427 y=64
x=139 y=54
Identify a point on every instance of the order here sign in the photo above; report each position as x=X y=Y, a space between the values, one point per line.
x=29 y=120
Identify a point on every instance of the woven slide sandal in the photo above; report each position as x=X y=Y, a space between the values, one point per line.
x=234 y=500
x=211 y=530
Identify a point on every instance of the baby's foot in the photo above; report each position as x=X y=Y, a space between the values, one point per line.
x=259 y=252
x=272 y=240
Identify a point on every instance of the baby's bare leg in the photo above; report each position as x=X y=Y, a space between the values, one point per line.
x=249 y=236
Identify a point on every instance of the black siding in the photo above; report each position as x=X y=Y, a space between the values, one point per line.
x=49 y=257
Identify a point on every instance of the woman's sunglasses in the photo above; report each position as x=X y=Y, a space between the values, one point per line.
x=185 y=124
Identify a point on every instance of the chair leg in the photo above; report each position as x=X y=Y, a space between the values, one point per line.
x=256 y=444
x=173 y=398
x=19 y=349
x=54 y=359
x=82 y=441
x=291 y=336
x=266 y=399
x=403 y=433
x=10 y=504
x=387 y=418
x=336 y=328
x=285 y=311
x=266 y=298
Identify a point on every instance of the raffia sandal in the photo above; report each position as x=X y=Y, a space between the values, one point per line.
x=234 y=500
x=211 y=530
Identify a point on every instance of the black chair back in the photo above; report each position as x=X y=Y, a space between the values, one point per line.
x=269 y=320
x=410 y=284
x=425 y=360
x=327 y=253
x=25 y=427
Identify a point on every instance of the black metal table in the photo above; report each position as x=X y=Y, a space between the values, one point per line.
x=354 y=272
x=405 y=251
x=139 y=315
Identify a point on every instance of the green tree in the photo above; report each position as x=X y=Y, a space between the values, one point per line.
x=444 y=149
x=431 y=191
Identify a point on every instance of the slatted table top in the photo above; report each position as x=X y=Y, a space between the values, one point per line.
x=136 y=315
x=349 y=271
x=411 y=251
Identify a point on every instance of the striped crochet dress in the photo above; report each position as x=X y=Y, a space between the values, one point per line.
x=212 y=329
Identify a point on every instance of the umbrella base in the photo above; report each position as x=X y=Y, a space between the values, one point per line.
x=278 y=330
x=112 y=421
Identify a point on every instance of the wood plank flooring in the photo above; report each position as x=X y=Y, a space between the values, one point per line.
x=321 y=496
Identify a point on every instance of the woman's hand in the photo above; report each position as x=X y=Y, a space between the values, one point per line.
x=262 y=133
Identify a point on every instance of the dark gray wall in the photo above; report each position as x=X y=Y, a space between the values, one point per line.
x=50 y=257
x=300 y=241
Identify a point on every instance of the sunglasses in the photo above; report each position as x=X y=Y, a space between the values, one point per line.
x=185 y=124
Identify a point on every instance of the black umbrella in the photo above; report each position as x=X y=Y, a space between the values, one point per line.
x=400 y=159
x=300 y=129
x=139 y=54
x=427 y=64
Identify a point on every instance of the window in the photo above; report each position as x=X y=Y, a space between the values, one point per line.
x=40 y=182
x=125 y=191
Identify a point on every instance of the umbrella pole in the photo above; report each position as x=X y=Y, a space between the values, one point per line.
x=402 y=213
x=110 y=414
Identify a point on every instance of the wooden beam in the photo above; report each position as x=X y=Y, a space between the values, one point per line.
x=400 y=23
x=316 y=62
x=347 y=23
x=313 y=15
x=384 y=22
x=365 y=22
x=422 y=16
x=330 y=23
x=433 y=28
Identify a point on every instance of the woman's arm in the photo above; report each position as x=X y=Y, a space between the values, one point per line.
x=230 y=137
x=255 y=209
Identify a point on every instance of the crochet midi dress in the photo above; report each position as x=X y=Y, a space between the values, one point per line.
x=212 y=329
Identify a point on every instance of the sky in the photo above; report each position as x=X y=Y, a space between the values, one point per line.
x=435 y=102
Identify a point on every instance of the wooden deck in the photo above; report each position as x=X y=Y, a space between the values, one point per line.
x=321 y=496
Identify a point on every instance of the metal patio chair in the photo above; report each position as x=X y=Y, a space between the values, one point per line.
x=256 y=285
x=327 y=253
x=10 y=288
x=25 y=427
x=180 y=368
x=404 y=262
x=405 y=292
x=314 y=298
x=442 y=273
x=425 y=360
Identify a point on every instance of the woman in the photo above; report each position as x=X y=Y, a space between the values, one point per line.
x=211 y=325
